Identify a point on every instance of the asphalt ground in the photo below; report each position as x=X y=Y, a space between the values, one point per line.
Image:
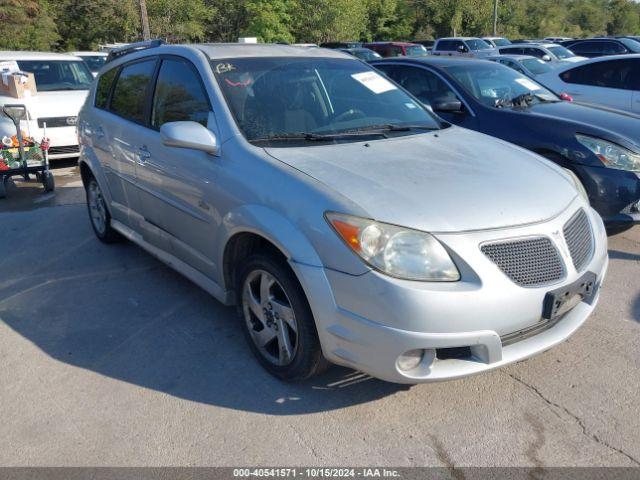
x=109 y=358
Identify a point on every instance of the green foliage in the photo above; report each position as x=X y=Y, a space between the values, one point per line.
x=26 y=25
x=319 y=21
x=83 y=24
x=179 y=20
x=269 y=20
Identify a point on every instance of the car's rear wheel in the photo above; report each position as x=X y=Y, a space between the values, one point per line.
x=277 y=320
x=99 y=213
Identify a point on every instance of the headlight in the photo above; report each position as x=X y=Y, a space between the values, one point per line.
x=578 y=184
x=612 y=155
x=397 y=251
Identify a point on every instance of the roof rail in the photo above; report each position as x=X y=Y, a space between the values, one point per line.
x=133 y=47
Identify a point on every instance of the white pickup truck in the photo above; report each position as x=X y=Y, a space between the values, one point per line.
x=63 y=83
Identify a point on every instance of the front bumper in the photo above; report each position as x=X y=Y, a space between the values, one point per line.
x=614 y=194
x=366 y=322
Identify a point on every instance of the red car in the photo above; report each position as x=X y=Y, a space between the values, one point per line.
x=397 y=49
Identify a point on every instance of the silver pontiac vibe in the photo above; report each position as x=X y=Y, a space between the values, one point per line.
x=348 y=223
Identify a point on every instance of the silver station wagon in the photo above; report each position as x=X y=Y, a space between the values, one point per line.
x=348 y=223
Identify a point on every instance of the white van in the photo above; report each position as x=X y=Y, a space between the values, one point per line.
x=63 y=82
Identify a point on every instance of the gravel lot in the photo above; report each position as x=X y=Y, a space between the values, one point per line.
x=107 y=357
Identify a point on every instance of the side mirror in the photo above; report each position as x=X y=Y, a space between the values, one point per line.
x=448 y=106
x=462 y=49
x=546 y=58
x=189 y=135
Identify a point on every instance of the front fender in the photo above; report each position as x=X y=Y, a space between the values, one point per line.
x=271 y=225
x=89 y=160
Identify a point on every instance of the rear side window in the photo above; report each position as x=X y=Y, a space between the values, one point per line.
x=511 y=50
x=179 y=95
x=612 y=74
x=445 y=45
x=130 y=93
x=583 y=47
x=534 y=52
x=423 y=84
x=104 y=88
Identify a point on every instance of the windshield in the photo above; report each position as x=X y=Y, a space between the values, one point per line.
x=94 y=62
x=501 y=42
x=52 y=75
x=561 y=52
x=632 y=45
x=281 y=96
x=477 y=44
x=416 y=51
x=497 y=85
x=536 y=66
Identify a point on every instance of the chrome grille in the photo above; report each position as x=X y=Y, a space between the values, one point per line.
x=64 y=150
x=579 y=238
x=529 y=262
x=53 y=122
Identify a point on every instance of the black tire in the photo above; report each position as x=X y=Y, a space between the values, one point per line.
x=307 y=360
x=48 y=182
x=103 y=230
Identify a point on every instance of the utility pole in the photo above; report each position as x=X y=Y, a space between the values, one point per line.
x=144 y=20
x=495 y=18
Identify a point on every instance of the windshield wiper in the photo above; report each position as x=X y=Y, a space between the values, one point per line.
x=524 y=100
x=391 y=127
x=315 y=137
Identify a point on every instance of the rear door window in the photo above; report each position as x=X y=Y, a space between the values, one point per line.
x=179 y=95
x=423 y=84
x=608 y=74
x=586 y=47
x=130 y=94
x=534 y=52
x=104 y=88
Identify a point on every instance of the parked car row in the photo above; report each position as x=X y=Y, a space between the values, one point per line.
x=348 y=221
x=599 y=145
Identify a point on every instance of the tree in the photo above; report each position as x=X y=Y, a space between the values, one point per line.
x=179 y=20
x=269 y=20
x=84 y=24
x=27 y=25
x=326 y=20
x=624 y=18
x=229 y=19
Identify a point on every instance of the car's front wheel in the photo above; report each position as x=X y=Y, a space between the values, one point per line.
x=99 y=214
x=277 y=319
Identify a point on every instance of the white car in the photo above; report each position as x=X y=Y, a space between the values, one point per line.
x=464 y=47
x=497 y=41
x=612 y=81
x=94 y=60
x=63 y=82
x=549 y=52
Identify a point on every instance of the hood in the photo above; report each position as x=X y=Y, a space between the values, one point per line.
x=488 y=52
x=612 y=124
x=64 y=103
x=452 y=180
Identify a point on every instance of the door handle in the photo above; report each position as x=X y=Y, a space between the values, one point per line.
x=144 y=154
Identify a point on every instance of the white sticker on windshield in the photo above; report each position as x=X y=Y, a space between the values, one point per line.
x=374 y=82
x=528 y=84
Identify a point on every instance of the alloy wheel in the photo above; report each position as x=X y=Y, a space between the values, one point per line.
x=270 y=318
x=97 y=208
